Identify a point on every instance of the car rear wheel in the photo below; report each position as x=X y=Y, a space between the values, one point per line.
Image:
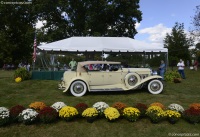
x=155 y=86
x=78 y=88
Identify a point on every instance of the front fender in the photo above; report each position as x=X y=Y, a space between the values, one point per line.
x=145 y=80
x=150 y=77
x=67 y=86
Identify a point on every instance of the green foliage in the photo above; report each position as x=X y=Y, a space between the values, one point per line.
x=178 y=43
x=23 y=73
x=170 y=75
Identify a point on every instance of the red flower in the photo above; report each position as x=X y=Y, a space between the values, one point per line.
x=81 y=107
x=15 y=111
x=48 y=115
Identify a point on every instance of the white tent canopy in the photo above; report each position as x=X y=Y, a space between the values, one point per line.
x=100 y=44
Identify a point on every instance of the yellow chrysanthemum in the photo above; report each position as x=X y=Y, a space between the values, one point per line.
x=90 y=112
x=111 y=113
x=18 y=79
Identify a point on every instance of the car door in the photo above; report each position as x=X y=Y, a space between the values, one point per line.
x=96 y=78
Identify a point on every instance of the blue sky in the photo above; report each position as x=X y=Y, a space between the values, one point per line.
x=159 y=16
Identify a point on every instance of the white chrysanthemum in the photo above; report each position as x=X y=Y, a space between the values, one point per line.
x=58 y=105
x=176 y=107
x=4 y=112
x=100 y=106
x=28 y=115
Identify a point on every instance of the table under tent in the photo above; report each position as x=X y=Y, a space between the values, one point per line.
x=48 y=54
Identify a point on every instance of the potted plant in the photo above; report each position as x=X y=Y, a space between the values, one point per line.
x=172 y=116
x=100 y=106
x=81 y=107
x=158 y=104
x=119 y=106
x=68 y=113
x=4 y=116
x=90 y=114
x=142 y=108
x=111 y=113
x=48 y=115
x=176 y=107
x=37 y=106
x=15 y=111
x=131 y=114
x=155 y=113
x=192 y=115
x=58 y=105
x=28 y=116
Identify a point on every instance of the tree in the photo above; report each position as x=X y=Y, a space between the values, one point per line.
x=177 y=44
x=64 y=18
x=67 y=18
x=16 y=32
x=196 y=24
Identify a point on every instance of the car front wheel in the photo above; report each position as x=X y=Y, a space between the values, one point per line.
x=78 y=88
x=155 y=86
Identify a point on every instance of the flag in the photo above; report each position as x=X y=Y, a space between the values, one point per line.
x=34 y=48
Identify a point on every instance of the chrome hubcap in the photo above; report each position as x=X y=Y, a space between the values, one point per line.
x=155 y=86
x=78 y=88
x=132 y=80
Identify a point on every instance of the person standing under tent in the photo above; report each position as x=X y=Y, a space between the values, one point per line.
x=162 y=69
x=181 y=66
x=72 y=64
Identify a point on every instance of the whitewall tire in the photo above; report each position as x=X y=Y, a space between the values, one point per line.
x=78 y=88
x=155 y=86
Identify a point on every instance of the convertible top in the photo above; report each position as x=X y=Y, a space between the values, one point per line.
x=80 y=65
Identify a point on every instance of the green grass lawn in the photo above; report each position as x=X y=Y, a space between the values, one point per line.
x=27 y=92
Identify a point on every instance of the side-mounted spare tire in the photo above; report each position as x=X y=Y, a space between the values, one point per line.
x=131 y=79
x=155 y=86
x=78 y=88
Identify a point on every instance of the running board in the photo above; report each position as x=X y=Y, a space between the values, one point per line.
x=107 y=89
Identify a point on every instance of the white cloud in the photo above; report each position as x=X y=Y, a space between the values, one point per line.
x=156 y=33
x=137 y=25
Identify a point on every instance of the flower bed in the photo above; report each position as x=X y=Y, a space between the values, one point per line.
x=156 y=112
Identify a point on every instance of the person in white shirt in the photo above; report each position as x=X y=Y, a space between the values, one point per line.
x=181 y=66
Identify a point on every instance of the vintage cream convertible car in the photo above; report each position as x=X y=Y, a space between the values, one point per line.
x=94 y=76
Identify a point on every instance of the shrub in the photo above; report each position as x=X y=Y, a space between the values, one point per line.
x=171 y=75
x=37 y=106
x=48 y=115
x=22 y=73
x=15 y=111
